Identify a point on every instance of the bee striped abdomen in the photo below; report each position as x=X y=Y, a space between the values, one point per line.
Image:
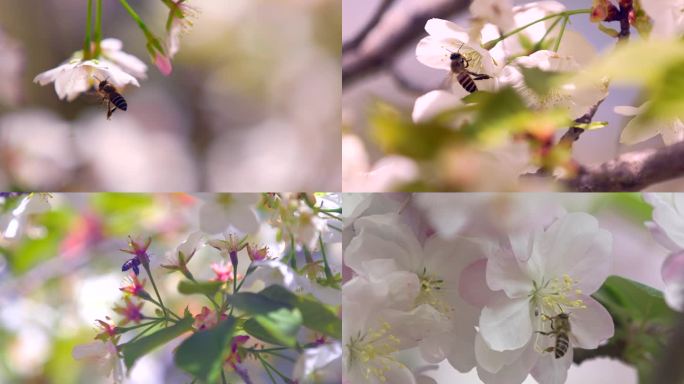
x=118 y=101
x=562 y=344
x=466 y=82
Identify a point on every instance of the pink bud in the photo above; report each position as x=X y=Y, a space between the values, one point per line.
x=163 y=63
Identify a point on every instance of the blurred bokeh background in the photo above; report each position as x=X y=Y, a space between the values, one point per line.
x=390 y=83
x=252 y=103
x=63 y=271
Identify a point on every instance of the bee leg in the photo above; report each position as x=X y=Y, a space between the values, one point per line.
x=550 y=349
x=479 y=76
x=545 y=333
x=110 y=110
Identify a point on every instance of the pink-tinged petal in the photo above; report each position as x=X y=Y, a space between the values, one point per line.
x=673 y=276
x=92 y=350
x=456 y=346
x=549 y=370
x=448 y=258
x=504 y=273
x=661 y=237
x=591 y=325
x=366 y=247
x=493 y=361
x=391 y=229
x=514 y=373
x=163 y=63
x=412 y=327
x=576 y=246
x=506 y=324
x=111 y=44
x=668 y=217
x=473 y=286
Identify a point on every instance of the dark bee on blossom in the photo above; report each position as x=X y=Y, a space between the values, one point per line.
x=112 y=96
x=133 y=263
x=459 y=68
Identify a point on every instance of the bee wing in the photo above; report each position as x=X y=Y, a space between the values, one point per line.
x=451 y=84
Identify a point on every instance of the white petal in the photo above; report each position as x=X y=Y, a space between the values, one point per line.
x=634 y=132
x=242 y=217
x=549 y=370
x=128 y=63
x=473 y=285
x=189 y=245
x=672 y=132
x=95 y=349
x=591 y=326
x=576 y=246
x=434 y=53
x=389 y=228
x=670 y=220
x=503 y=273
x=661 y=237
x=433 y=103
x=506 y=324
x=514 y=373
x=111 y=44
x=445 y=30
x=626 y=110
x=493 y=361
x=673 y=277
x=367 y=246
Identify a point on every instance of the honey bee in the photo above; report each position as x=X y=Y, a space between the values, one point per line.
x=560 y=328
x=459 y=68
x=110 y=93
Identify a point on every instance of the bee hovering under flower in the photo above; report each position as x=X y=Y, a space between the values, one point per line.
x=112 y=96
x=141 y=257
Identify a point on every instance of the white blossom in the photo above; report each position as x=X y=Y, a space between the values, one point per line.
x=14 y=225
x=671 y=130
x=318 y=365
x=221 y=212
x=77 y=75
x=104 y=354
x=668 y=17
x=529 y=280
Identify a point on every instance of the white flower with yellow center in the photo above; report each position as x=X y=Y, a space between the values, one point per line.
x=77 y=75
x=422 y=285
x=576 y=99
x=529 y=281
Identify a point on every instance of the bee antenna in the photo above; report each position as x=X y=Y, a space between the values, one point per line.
x=459 y=48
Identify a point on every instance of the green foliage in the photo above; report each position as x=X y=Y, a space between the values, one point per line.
x=276 y=327
x=31 y=251
x=538 y=80
x=396 y=133
x=667 y=96
x=132 y=351
x=122 y=210
x=316 y=315
x=207 y=288
x=642 y=320
x=202 y=354
x=630 y=205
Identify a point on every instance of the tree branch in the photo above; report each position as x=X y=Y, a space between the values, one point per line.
x=613 y=349
x=631 y=171
x=574 y=133
x=392 y=34
x=372 y=23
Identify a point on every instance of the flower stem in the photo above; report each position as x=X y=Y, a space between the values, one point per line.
x=151 y=39
x=562 y=32
x=98 y=28
x=272 y=368
x=326 y=266
x=86 y=42
x=156 y=291
x=490 y=44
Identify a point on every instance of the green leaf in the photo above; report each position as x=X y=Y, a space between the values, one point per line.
x=316 y=315
x=642 y=321
x=667 y=98
x=137 y=349
x=202 y=354
x=256 y=303
x=592 y=126
x=208 y=288
x=636 y=300
x=277 y=327
x=538 y=80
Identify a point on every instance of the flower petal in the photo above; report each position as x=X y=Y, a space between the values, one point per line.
x=504 y=273
x=590 y=326
x=673 y=277
x=506 y=324
x=549 y=370
x=434 y=103
x=389 y=237
x=493 y=361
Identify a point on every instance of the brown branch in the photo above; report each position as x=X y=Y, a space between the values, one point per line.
x=613 y=349
x=631 y=171
x=393 y=33
x=574 y=133
x=670 y=368
x=372 y=23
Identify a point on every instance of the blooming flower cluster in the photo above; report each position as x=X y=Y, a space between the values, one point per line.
x=104 y=60
x=509 y=301
x=271 y=309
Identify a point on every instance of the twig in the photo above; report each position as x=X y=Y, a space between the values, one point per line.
x=394 y=32
x=574 y=133
x=375 y=19
x=631 y=171
x=613 y=350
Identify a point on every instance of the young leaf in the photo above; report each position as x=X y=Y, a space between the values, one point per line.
x=256 y=303
x=208 y=288
x=277 y=327
x=137 y=349
x=202 y=354
x=316 y=315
